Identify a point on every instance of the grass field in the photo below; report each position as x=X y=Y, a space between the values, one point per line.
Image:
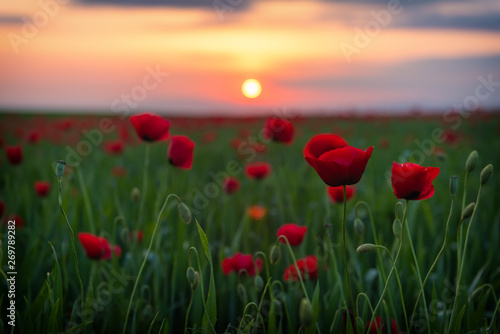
x=98 y=197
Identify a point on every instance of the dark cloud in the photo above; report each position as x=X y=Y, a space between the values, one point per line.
x=489 y=21
x=165 y=3
x=11 y=19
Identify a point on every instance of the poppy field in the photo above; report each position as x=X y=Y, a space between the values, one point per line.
x=157 y=224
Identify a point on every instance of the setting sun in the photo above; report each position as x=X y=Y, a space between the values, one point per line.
x=251 y=88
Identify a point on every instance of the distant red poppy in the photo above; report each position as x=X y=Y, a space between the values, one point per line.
x=208 y=137
x=150 y=127
x=258 y=170
x=279 y=130
x=236 y=142
x=413 y=182
x=308 y=268
x=42 y=188
x=294 y=233
x=119 y=171
x=375 y=326
x=180 y=152
x=18 y=221
x=114 y=147
x=335 y=162
x=2 y=208
x=383 y=143
x=231 y=185
x=14 y=154
x=137 y=235
x=241 y=264
x=257 y=212
x=337 y=193
x=33 y=137
x=97 y=248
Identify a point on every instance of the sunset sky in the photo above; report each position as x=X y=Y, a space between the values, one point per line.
x=310 y=56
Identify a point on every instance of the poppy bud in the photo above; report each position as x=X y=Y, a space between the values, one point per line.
x=453 y=185
x=359 y=227
x=242 y=292
x=396 y=228
x=469 y=209
x=135 y=194
x=486 y=174
x=258 y=282
x=275 y=254
x=277 y=307
x=365 y=248
x=190 y=275
x=306 y=313
x=360 y=325
x=196 y=282
x=184 y=212
x=471 y=162
x=60 y=168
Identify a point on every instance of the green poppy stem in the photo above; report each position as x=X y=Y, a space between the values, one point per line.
x=346 y=264
x=144 y=186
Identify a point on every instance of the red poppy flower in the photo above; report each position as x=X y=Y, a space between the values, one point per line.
x=14 y=154
x=279 y=130
x=374 y=326
x=150 y=127
x=257 y=212
x=335 y=162
x=114 y=147
x=42 y=188
x=257 y=170
x=308 y=268
x=19 y=222
x=294 y=233
x=241 y=263
x=231 y=185
x=33 y=137
x=138 y=235
x=337 y=193
x=180 y=152
x=413 y=182
x=97 y=248
x=2 y=208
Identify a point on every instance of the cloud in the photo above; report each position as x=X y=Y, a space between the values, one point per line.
x=236 y=4
x=6 y=20
x=488 y=21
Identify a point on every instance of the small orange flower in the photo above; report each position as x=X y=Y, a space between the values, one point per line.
x=257 y=212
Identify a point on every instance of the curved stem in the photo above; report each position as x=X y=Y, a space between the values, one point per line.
x=145 y=260
x=346 y=264
x=435 y=261
x=403 y=222
x=461 y=264
x=86 y=200
x=399 y=284
x=74 y=252
x=188 y=309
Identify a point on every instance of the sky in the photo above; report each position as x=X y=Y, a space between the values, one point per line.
x=192 y=56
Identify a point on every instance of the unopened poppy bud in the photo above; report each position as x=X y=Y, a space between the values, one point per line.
x=135 y=194
x=190 y=275
x=242 y=292
x=360 y=325
x=486 y=174
x=60 y=168
x=359 y=227
x=277 y=307
x=306 y=314
x=365 y=248
x=453 y=185
x=396 y=228
x=184 y=212
x=196 y=281
x=258 y=282
x=275 y=254
x=471 y=162
x=469 y=209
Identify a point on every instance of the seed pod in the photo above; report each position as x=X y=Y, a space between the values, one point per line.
x=184 y=212
x=190 y=275
x=469 y=209
x=453 y=185
x=359 y=227
x=135 y=194
x=306 y=313
x=258 y=282
x=60 y=168
x=486 y=174
x=275 y=254
x=365 y=248
x=196 y=281
x=397 y=228
x=471 y=162
x=242 y=292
